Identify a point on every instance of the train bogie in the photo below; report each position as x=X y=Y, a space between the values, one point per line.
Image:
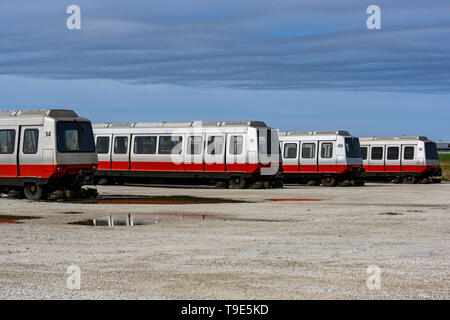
x=321 y=157
x=237 y=154
x=45 y=150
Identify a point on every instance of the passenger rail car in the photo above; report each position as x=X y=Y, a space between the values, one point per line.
x=401 y=159
x=42 y=151
x=237 y=153
x=327 y=157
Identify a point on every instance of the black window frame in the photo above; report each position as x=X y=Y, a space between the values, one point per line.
x=381 y=155
x=13 y=149
x=179 y=142
x=388 y=155
x=79 y=125
x=322 y=150
x=303 y=149
x=405 y=153
x=209 y=142
x=115 y=145
x=364 y=153
x=233 y=145
x=109 y=144
x=138 y=138
x=24 y=141
x=191 y=144
x=290 y=144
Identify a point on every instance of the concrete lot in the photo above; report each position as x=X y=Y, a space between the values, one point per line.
x=262 y=249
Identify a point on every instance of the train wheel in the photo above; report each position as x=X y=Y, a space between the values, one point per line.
x=329 y=182
x=424 y=181
x=237 y=183
x=410 y=180
x=266 y=184
x=33 y=191
x=312 y=183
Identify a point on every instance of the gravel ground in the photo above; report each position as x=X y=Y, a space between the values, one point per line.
x=260 y=249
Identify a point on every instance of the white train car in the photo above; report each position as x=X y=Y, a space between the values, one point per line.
x=235 y=153
x=45 y=150
x=401 y=159
x=327 y=157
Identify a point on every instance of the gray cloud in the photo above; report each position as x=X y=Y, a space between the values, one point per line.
x=239 y=44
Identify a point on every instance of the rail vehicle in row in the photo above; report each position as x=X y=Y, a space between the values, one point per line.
x=321 y=157
x=401 y=159
x=42 y=151
x=238 y=154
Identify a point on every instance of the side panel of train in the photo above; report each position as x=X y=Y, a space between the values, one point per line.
x=186 y=155
x=37 y=152
x=326 y=159
x=407 y=160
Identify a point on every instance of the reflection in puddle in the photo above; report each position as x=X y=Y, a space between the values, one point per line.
x=295 y=199
x=117 y=221
x=155 y=200
x=14 y=219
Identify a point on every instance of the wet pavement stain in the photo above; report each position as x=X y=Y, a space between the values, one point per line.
x=15 y=219
x=154 y=200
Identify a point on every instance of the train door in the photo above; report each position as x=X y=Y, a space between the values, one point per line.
x=195 y=152
x=215 y=152
x=30 y=152
x=236 y=152
x=104 y=149
x=327 y=156
x=392 y=163
x=291 y=160
x=120 y=157
x=143 y=152
x=308 y=157
x=376 y=159
x=409 y=158
x=9 y=136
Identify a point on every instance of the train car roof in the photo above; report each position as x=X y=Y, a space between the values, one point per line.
x=402 y=138
x=188 y=124
x=313 y=133
x=41 y=113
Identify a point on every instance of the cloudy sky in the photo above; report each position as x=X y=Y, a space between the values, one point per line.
x=296 y=64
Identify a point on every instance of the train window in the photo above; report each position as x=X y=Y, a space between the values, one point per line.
x=364 y=152
x=75 y=136
x=393 y=153
x=431 y=152
x=308 y=150
x=30 y=141
x=102 y=145
x=7 y=141
x=195 y=145
x=377 y=153
x=170 y=144
x=408 y=153
x=290 y=150
x=327 y=150
x=215 y=145
x=352 y=148
x=236 y=144
x=145 y=145
x=121 y=145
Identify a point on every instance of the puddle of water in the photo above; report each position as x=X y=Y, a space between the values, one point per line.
x=15 y=219
x=391 y=213
x=155 y=200
x=295 y=199
x=116 y=221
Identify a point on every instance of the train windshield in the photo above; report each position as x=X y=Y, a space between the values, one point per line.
x=352 y=148
x=75 y=136
x=431 y=151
